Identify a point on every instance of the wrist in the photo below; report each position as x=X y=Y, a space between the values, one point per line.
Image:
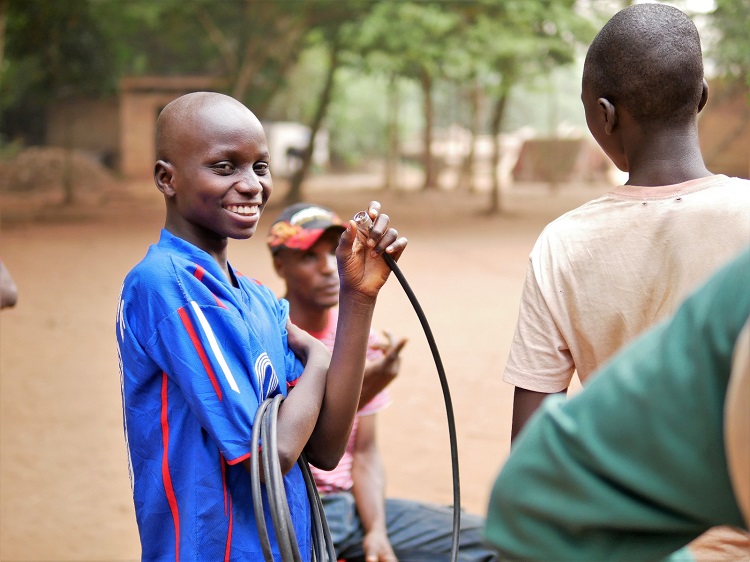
x=356 y=298
x=377 y=529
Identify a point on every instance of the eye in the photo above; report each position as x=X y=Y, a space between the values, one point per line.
x=223 y=168
x=307 y=257
x=261 y=168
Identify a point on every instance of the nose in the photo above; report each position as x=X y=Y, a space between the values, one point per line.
x=249 y=182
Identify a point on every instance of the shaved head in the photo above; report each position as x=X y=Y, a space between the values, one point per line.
x=187 y=114
x=648 y=59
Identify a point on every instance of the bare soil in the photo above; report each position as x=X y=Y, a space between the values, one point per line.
x=64 y=489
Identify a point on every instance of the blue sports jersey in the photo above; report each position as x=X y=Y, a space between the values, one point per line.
x=197 y=356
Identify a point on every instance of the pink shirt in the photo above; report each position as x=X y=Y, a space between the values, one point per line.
x=340 y=478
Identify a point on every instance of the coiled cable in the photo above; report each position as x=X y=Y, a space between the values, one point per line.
x=264 y=428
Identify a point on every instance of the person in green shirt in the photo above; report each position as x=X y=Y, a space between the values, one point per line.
x=635 y=466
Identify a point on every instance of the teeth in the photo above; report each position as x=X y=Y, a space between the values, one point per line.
x=243 y=209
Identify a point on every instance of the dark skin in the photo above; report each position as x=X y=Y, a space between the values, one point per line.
x=213 y=169
x=656 y=155
x=312 y=290
x=653 y=155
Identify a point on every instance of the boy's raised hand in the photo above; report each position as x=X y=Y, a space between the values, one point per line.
x=361 y=266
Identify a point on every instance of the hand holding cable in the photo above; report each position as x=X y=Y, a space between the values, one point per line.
x=360 y=268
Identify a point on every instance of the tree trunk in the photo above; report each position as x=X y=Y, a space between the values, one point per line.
x=497 y=120
x=295 y=187
x=427 y=157
x=393 y=155
x=466 y=177
x=69 y=192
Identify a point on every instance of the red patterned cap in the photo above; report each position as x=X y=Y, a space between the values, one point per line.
x=299 y=226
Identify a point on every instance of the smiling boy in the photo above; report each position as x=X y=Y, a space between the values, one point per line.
x=201 y=345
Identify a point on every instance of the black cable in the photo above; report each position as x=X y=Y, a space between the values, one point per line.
x=277 y=500
x=264 y=426
x=260 y=517
x=265 y=423
x=321 y=532
x=446 y=397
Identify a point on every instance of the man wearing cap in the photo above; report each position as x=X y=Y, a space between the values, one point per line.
x=364 y=524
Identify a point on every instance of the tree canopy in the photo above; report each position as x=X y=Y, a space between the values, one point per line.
x=283 y=58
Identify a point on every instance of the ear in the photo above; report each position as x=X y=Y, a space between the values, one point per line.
x=608 y=113
x=704 y=96
x=163 y=175
x=278 y=265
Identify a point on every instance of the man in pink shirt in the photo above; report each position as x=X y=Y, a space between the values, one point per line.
x=365 y=526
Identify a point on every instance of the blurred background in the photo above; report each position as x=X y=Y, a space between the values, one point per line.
x=470 y=95
x=463 y=117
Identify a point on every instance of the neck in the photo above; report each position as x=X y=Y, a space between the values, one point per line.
x=212 y=244
x=666 y=156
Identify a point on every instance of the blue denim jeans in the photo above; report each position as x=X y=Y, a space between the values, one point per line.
x=418 y=532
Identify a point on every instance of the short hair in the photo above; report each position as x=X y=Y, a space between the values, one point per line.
x=648 y=59
x=180 y=113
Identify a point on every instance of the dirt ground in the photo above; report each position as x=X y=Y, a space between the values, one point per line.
x=64 y=488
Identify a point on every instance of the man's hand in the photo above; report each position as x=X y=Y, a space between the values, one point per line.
x=382 y=371
x=303 y=345
x=377 y=547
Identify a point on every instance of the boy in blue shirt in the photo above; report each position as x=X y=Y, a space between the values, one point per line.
x=201 y=345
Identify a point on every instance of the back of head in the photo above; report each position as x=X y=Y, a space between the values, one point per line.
x=648 y=59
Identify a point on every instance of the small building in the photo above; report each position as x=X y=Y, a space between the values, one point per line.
x=120 y=131
x=561 y=160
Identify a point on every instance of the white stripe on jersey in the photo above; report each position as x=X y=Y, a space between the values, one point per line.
x=209 y=333
x=121 y=324
x=121 y=315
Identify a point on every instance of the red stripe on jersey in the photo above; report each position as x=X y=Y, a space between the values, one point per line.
x=165 y=474
x=199 y=272
x=224 y=480
x=228 y=550
x=292 y=384
x=221 y=304
x=199 y=348
x=239 y=459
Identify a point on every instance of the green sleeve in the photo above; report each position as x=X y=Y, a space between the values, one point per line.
x=633 y=467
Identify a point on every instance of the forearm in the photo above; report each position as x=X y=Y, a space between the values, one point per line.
x=369 y=492
x=298 y=414
x=344 y=381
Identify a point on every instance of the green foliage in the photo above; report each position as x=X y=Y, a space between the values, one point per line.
x=731 y=52
x=358 y=119
x=55 y=46
x=404 y=38
x=53 y=51
x=272 y=54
